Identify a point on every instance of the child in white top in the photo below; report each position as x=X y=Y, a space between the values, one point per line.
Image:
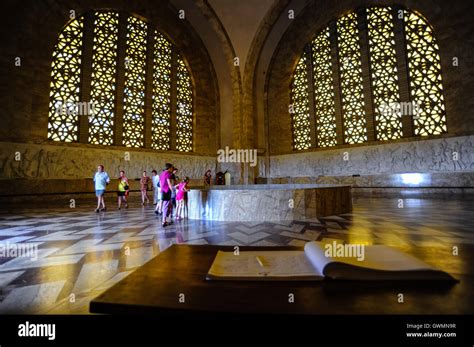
x=155 y=179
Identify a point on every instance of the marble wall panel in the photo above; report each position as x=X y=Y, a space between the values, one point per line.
x=50 y=161
x=268 y=203
x=446 y=155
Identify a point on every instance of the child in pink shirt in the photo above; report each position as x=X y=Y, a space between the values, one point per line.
x=181 y=190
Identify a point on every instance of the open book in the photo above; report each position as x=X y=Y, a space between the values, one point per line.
x=376 y=262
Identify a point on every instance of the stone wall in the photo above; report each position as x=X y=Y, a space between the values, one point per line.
x=79 y=162
x=381 y=162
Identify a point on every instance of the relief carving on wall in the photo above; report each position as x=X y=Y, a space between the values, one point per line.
x=438 y=155
x=58 y=162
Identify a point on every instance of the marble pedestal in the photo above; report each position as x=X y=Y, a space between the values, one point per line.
x=269 y=202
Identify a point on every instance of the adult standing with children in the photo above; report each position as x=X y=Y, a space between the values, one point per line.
x=166 y=186
x=101 y=179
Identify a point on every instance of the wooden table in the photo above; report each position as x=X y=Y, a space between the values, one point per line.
x=174 y=282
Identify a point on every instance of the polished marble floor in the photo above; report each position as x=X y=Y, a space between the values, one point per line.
x=80 y=253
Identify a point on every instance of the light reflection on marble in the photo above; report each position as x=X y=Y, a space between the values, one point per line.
x=107 y=251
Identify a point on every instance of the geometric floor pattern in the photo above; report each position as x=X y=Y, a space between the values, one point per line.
x=80 y=253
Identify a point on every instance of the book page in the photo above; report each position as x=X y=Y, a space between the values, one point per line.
x=379 y=257
x=377 y=263
x=262 y=264
x=315 y=253
x=375 y=257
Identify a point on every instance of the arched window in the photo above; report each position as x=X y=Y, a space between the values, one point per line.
x=66 y=83
x=371 y=75
x=118 y=81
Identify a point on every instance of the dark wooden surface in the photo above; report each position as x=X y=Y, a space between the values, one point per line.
x=334 y=201
x=155 y=287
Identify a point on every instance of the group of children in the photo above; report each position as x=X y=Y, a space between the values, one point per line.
x=168 y=192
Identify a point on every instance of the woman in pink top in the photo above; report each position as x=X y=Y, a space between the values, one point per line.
x=181 y=189
x=165 y=185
